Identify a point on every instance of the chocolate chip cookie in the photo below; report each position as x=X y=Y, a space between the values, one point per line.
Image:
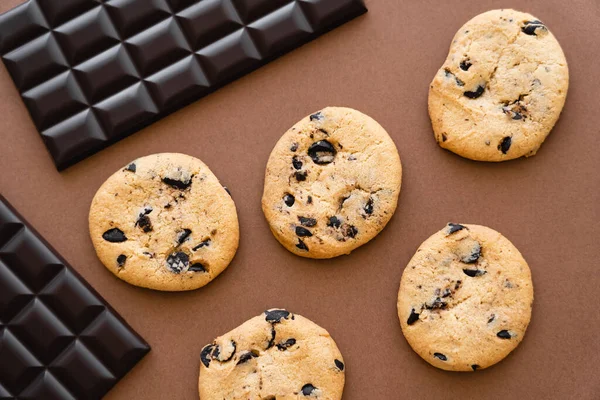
x=332 y=183
x=465 y=298
x=277 y=355
x=164 y=222
x=501 y=89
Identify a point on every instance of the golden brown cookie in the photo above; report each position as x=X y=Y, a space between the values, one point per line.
x=164 y=222
x=501 y=89
x=465 y=298
x=277 y=355
x=331 y=184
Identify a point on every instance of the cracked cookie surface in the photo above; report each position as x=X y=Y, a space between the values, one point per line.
x=465 y=298
x=164 y=222
x=277 y=355
x=501 y=88
x=331 y=183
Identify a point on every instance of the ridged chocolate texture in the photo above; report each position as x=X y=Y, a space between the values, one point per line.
x=58 y=338
x=92 y=72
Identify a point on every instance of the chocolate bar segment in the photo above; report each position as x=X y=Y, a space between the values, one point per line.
x=92 y=72
x=58 y=338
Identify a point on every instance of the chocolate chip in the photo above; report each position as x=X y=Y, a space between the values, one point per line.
x=114 y=235
x=457 y=285
x=339 y=364
x=245 y=357
x=440 y=356
x=326 y=133
x=465 y=65
x=530 y=27
x=350 y=231
x=201 y=245
x=301 y=245
x=369 y=206
x=309 y=200
x=197 y=267
x=437 y=303
x=272 y=339
x=205 y=354
x=178 y=261
x=504 y=334
x=492 y=318
x=334 y=222
x=294 y=147
x=413 y=317
x=504 y=145
x=317 y=117
x=444 y=137
x=217 y=355
x=167 y=206
x=447 y=292
x=475 y=367
x=449 y=74
x=285 y=345
x=473 y=256
x=303 y=232
x=452 y=227
x=478 y=92
x=300 y=176
x=296 y=162
x=289 y=200
x=307 y=221
x=308 y=389
x=474 y=272
x=227 y=190
x=274 y=316
x=121 y=260
x=183 y=236
x=177 y=184
x=144 y=223
x=131 y=167
x=322 y=152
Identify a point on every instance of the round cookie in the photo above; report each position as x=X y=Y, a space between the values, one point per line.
x=277 y=355
x=465 y=298
x=331 y=184
x=164 y=222
x=501 y=89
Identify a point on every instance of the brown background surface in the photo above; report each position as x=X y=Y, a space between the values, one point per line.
x=381 y=64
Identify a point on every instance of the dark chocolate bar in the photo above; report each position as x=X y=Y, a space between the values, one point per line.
x=58 y=338
x=92 y=72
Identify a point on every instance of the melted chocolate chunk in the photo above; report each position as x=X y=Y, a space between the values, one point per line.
x=114 y=235
x=475 y=367
x=301 y=176
x=308 y=389
x=144 y=223
x=121 y=260
x=317 y=117
x=350 y=231
x=177 y=262
x=334 y=222
x=274 y=316
x=322 y=152
x=197 y=267
x=294 y=147
x=303 y=232
x=473 y=95
x=465 y=65
x=183 y=236
x=444 y=137
x=530 y=27
x=452 y=227
x=492 y=318
x=307 y=221
x=436 y=304
x=301 y=245
x=413 y=317
x=201 y=245
x=205 y=354
x=309 y=200
x=174 y=183
x=440 y=356
x=296 y=162
x=272 y=339
x=131 y=167
x=247 y=356
x=339 y=364
x=289 y=200
x=369 y=206
x=504 y=145
x=474 y=272
x=217 y=353
x=287 y=344
x=504 y=334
